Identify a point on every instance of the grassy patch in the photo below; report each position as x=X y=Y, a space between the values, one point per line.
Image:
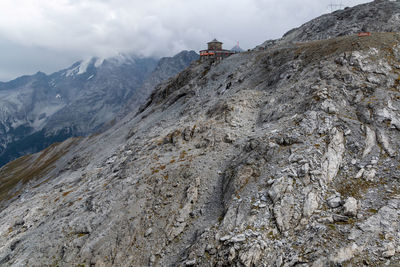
x=373 y=211
x=30 y=168
x=182 y=155
x=353 y=187
x=66 y=193
x=154 y=170
x=82 y=234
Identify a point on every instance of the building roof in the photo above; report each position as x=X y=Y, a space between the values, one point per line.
x=217 y=51
x=215 y=41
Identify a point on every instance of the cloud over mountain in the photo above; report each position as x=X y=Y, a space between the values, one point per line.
x=74 y=29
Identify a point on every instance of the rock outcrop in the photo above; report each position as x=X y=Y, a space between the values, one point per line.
x=282 y=157
x=376 y=16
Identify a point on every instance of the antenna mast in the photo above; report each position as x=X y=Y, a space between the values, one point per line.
x=336 y=6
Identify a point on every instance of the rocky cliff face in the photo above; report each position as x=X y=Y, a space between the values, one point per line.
x=166 y=68
x=39 y=110
x=283 y=157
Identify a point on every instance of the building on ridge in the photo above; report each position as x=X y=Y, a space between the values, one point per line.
x=215 y=51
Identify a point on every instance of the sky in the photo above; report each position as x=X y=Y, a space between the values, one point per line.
x=49 y=35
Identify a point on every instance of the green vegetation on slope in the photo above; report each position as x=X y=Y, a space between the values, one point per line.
x=30 y=168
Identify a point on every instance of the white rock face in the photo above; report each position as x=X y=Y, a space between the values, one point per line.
x=311 y=204
x=370 y=141
x=333 y=156
x=283 y=212
x=384 y=140
x=386 y=114
x=345 y=254
x=350 y=207
x=369 y=174
x=390 y=250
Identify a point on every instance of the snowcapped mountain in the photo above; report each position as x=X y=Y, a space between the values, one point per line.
x=37 y=110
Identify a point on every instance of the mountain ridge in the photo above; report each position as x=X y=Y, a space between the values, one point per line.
x=375 y=16
x=75 y=101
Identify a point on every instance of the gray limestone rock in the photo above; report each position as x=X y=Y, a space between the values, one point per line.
x=334 y=202
x=262 y=174
x=311 y=204
x=333 y=156
x=390 y=250
x=350 y=207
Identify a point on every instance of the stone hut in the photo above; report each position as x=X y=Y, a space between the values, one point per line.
x=214 y=45
x=215 y=51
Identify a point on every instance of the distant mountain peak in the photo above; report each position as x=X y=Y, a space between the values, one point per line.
x=76 y=100
x=82 y=66
x=40 y=73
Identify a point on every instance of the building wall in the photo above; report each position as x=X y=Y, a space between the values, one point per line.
x=214 y=54
x=214 y=46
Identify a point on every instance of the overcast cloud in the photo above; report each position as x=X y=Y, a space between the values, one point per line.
x=48 y=35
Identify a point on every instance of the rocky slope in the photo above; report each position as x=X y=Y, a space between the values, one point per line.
x=283 y=157
x=39 y=110
x=376 y=16
x=166 y=68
